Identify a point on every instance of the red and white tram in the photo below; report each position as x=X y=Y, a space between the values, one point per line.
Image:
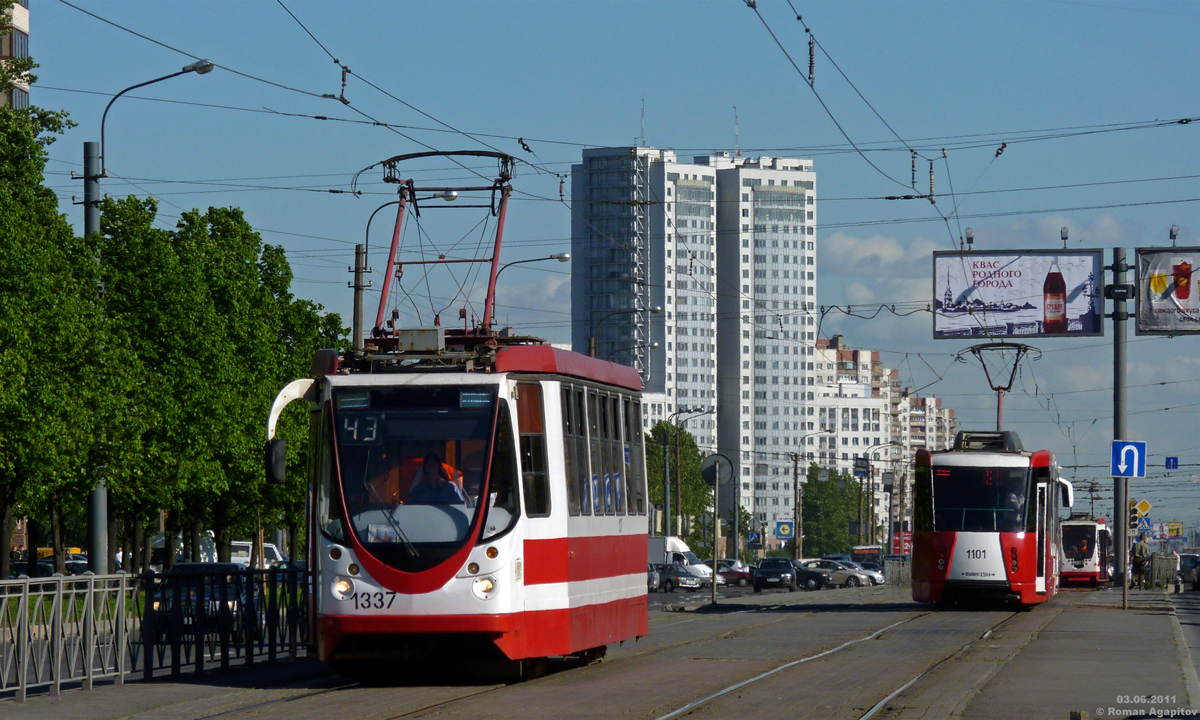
x=473 y=496
x=986 y=521
x=1086 y=551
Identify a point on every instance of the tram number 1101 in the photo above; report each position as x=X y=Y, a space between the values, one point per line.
x=976 y=554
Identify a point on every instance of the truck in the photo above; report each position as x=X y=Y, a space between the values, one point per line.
x=671 y=550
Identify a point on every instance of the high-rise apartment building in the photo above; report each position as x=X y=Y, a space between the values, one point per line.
x=643 y=235
x=766 y=310
x=14 y=43
x=726 y=246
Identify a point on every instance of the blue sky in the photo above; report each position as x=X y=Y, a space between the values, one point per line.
x=1080 y=91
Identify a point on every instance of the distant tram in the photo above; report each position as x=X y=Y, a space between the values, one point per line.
x=475 y=498
x=986 y=521
x=1086 y=551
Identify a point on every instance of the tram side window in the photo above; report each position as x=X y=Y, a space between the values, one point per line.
x=503 y=505
x=596 y=442
x=534 y=476
x=583 y=476
x=634 y=476
x=570 y=460
x=922 y=499
x=328 y=508
x=616 y=454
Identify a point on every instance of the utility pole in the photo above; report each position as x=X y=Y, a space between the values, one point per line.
x=98 y=498
x=860 y=511
x=798 y=526
x=359 y=286
x=1120 y=291
x=666 y=484
x=679 y=489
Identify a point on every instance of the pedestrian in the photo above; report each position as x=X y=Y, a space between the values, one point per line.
x=1141 y=554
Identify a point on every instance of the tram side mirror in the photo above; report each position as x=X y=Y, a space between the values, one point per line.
x=276 y=461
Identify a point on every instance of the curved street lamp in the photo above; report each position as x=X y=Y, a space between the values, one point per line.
x=94 y=169
x=561 y=257
x=687 y=410
x=596 y=330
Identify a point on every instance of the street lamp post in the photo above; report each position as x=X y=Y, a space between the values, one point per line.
x=798 y=497
x=94 y=168
x=871 y=490
x=667 y=462
x=596 y=330
x=561 y=257
x=697 y=412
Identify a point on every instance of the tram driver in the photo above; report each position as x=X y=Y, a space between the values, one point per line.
x=436 y=483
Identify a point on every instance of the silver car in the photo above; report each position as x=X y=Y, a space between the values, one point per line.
x=653 y=579
x=841 y=572
x=875 y=576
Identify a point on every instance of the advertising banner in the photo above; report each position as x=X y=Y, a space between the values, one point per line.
x=1167 y=291
x=1020 y=293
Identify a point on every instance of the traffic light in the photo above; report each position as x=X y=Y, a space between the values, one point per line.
x=1134 y=515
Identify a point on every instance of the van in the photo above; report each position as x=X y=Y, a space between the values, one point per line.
x=241 y=550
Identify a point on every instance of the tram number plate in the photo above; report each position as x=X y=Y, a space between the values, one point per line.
x=372 y=600
x=977 y=554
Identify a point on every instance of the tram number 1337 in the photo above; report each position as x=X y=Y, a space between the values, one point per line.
x=976 y=554
x=369 y=600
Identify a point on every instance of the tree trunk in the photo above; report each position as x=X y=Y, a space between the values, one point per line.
x=147 y=543
x=169 y=541
x=56 y=535
x=130 y=560
x=221 y=534
x=197 y=551
x=6 y=535
x=114 y=538
x=31 y=539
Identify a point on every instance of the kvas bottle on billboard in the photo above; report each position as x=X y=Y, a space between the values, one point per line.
x=1054 y=301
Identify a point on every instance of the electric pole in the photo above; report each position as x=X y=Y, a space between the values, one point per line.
x=358 y=285
x=798 y=498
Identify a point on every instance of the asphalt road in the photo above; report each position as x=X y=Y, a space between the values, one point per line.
x=858 y=653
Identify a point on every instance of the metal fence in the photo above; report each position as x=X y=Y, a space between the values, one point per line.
x=80 y=629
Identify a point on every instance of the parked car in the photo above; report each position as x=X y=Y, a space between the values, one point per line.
x=810 y=578
x=729 y=574
x=241 y=550
x=841 y=573
x=653 y=579
x=678 y=576
x=735 y=564
x=775 y=572
x=206 y=585
x=873 y=574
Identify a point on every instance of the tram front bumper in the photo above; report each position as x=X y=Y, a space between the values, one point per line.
x=335 y=628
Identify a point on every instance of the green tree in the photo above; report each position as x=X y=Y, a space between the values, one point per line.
x=685 y=477
x=830 y=506
x=50 y=335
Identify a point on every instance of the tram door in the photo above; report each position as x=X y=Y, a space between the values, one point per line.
x=1042 y=510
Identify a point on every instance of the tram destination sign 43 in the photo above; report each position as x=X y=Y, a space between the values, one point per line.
x=1020 y=293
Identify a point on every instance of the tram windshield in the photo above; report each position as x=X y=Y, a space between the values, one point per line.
x=1079 y=541
x=413 y=462
x=980 y=499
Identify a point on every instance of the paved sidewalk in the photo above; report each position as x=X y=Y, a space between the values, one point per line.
x=1096 y=658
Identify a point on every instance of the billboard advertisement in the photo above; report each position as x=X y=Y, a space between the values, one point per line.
x=1018 y=293
x=1167 y=291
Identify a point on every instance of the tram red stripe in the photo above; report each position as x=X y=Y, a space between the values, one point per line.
x=575 y=559
x=539 y=633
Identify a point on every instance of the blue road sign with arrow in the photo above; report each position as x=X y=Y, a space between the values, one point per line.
x=1172 y=463
x=783 y=530
x=1128 y=458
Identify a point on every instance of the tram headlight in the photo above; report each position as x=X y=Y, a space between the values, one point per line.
x=342 y=588
x=492 y=552
x=484 y=587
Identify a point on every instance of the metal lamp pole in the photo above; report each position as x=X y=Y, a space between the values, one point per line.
x=666 y=463
x=798 y=497
x=95 y=168
x=596 y=330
